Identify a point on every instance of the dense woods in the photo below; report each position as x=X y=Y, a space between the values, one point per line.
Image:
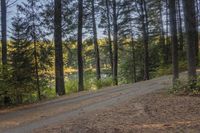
x=57 y=47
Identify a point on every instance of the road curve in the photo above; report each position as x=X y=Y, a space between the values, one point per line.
x=29 y=118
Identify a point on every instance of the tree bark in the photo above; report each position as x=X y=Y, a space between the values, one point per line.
x=96 y=45
x=197 y=35
x=167 y=47
x=60 y=87
x=79 y=45
x=109 y=35
x=4 y=31
x=115 y=43
x=144 y=18
x=191 y=33
x=162 y=34
x=181 y=45
x=173 y=27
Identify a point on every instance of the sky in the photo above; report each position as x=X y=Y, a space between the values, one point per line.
x=12 y=12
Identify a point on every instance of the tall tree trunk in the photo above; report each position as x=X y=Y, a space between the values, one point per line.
x=4 y=31
x=167 y=47
x=181 y=45
x=109 y=35
x=191 y=33
x=198 y=12
x=115 y=43
x=60 y=87
x=197 y=35
x=173 y=29
x=96 y=45
x=162 y=34
x=145 y=38
x=79 y=45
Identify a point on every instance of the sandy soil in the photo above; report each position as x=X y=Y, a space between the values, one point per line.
x=157 y=112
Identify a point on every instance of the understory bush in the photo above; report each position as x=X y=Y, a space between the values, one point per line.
x=167 y=69
x=71 y=86
x=106 y=82
x=186 y=88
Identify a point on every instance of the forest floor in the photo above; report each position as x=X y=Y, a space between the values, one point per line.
x=142 y=107
x=156 y=112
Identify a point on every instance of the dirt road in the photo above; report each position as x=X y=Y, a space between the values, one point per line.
x=31 y=117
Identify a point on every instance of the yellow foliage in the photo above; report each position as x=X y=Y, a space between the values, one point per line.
x=70 y=70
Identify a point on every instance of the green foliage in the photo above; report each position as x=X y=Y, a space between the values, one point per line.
x=182 y=66
x=126 y=71
x=103 y=83
x=163 y=70
x=5 y=85
x=18 y=78
x=167 y=69
x=71 y=86
x=177 y=87
x=21 y=61
x=186 y=88
x=48 y=93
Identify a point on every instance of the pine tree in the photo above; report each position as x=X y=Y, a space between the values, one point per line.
x=180 y=27
x=21 y=60
x=145 y=30
x=4 y=31
x=191 y=37
x=162 y=32
x=69 y=26
x=109 y=33
x=115 y=44
x=173 y=26
x=79 y=46
x=90 y=13
x=30 y=12
x=60 y=88
x=106 y=25
x=96 y=45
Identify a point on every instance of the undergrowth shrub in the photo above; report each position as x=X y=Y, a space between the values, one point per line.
x=186 y=88
x=71 y=86
x=167 y=69
x=106 y=82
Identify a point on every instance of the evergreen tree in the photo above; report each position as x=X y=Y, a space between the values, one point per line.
x=180 y=27
x=4 y=31
x=59 y=72
x=80 y=46
x=35 y=33
x=90 y=13
x=191 y=37
x=173 y=27
x=69 y=26
x=106 y=25
x=21 y=60
x=115 y=43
